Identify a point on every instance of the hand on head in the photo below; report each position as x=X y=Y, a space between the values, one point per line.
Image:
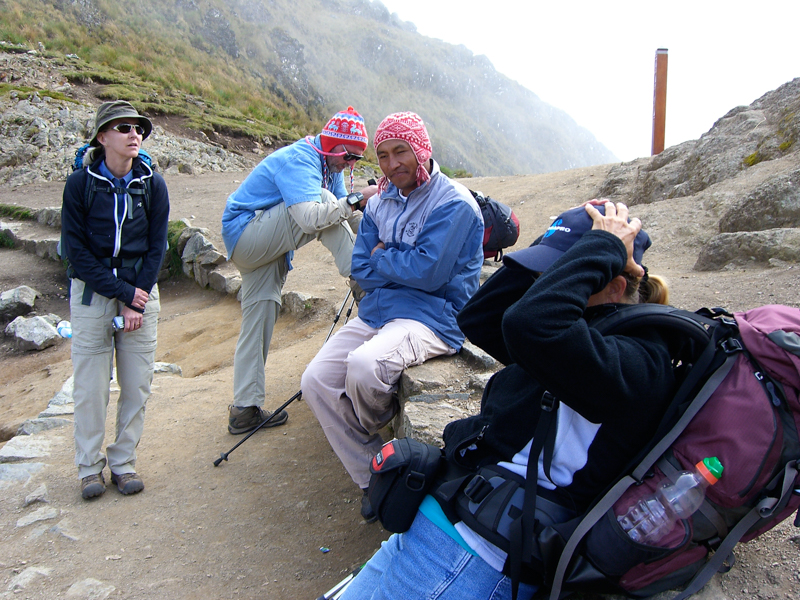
x=616 y=221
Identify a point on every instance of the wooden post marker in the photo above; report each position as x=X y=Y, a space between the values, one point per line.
x=659 y=101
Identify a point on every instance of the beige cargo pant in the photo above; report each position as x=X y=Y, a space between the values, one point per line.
x=260 y=256
x=94 y=345
x=350 y=385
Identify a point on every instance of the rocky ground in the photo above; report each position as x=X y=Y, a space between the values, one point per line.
x=280 y=519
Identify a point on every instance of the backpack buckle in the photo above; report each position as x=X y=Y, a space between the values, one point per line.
x=477 y=489
x=549 y=402
x=731 y=345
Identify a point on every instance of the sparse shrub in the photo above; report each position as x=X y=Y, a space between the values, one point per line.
x=753 y=159
x=16 y=212
x=174 y=229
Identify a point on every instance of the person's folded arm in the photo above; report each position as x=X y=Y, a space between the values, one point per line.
x=429 y=264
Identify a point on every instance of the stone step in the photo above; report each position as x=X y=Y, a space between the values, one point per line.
x=33 y=236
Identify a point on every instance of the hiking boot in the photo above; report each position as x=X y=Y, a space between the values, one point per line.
x=93 y=486
x=128 y=483
x=366 y=508
x=246 y=419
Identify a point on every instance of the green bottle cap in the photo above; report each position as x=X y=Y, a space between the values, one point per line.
x=714 y=466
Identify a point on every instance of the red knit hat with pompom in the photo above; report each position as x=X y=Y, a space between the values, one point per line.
x=345 y=127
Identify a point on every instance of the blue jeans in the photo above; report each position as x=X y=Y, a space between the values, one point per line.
x=426 y=563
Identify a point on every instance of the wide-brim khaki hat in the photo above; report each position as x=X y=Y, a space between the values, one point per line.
x=118 y=109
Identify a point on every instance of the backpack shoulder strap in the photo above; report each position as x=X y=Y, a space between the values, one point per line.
x=479 y=198
x=622 y=318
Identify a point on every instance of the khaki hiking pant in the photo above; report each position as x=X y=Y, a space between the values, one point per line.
x=94 y=346
x=260 y=256
x=350 y=385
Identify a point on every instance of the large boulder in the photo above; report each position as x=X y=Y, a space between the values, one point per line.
x=17 y=302
x=762 y=248
x=773 y=204
x=36 y=333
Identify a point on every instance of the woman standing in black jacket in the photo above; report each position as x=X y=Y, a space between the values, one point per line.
x=114 y=231
x=533 y=315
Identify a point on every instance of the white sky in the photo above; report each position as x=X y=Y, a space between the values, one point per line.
x=595 y=59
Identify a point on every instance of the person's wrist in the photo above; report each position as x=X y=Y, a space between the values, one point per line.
x=354 y=200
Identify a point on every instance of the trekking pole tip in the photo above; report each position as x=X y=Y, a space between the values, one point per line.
x=222 y=456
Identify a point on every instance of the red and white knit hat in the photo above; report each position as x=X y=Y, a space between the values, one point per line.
x=345 y=127
x=408 y=127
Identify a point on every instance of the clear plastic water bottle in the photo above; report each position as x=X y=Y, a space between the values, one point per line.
x=653 y=517
x=64 y=329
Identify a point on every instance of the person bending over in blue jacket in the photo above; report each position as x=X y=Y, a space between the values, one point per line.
x=418 y=257
x=533 y=315
x=294 y=196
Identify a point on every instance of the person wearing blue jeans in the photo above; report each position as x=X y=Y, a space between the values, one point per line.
x=533 y=316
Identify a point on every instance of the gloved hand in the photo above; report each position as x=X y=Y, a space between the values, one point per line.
x=358 y=293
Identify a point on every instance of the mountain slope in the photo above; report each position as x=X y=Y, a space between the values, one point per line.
x=278 y=68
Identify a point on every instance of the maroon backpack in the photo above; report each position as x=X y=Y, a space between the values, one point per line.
x=738 y=401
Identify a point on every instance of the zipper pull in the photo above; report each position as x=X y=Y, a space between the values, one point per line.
x=482 y=431
x=769 y=387
x=772 y=394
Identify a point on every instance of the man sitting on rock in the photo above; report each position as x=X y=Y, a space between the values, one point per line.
x=418 y=257
x=293 y=196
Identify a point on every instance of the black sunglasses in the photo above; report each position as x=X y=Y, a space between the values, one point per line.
x=347 y=156
x=125 y=128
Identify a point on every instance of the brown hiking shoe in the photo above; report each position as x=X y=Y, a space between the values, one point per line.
x=246 y=419
x=93 y=486
x=366 y=508
x=128 y=483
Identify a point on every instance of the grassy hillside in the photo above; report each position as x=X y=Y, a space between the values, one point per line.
x=279 y=68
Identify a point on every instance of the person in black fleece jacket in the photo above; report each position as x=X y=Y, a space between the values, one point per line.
x=533 y=316
x=115 y=235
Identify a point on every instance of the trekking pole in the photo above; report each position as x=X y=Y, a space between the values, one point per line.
x=338 y=314
x=337 y=590
x=224 y=455
x=349 y=310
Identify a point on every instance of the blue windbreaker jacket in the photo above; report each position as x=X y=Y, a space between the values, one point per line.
x=432 y=261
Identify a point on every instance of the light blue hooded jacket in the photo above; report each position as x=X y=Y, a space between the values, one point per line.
x=432 y=261
x=291 y=175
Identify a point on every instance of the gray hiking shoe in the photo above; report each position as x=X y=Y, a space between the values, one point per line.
x=246 y=419
x=93 y=486
x=128 y=483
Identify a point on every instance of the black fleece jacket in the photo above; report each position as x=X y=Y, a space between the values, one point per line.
x=92 y=235
x=623 y=383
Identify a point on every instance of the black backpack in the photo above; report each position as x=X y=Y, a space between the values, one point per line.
x=500 y=226
x=92 y=184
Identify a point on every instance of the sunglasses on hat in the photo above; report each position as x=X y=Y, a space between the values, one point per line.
x=125 y=128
